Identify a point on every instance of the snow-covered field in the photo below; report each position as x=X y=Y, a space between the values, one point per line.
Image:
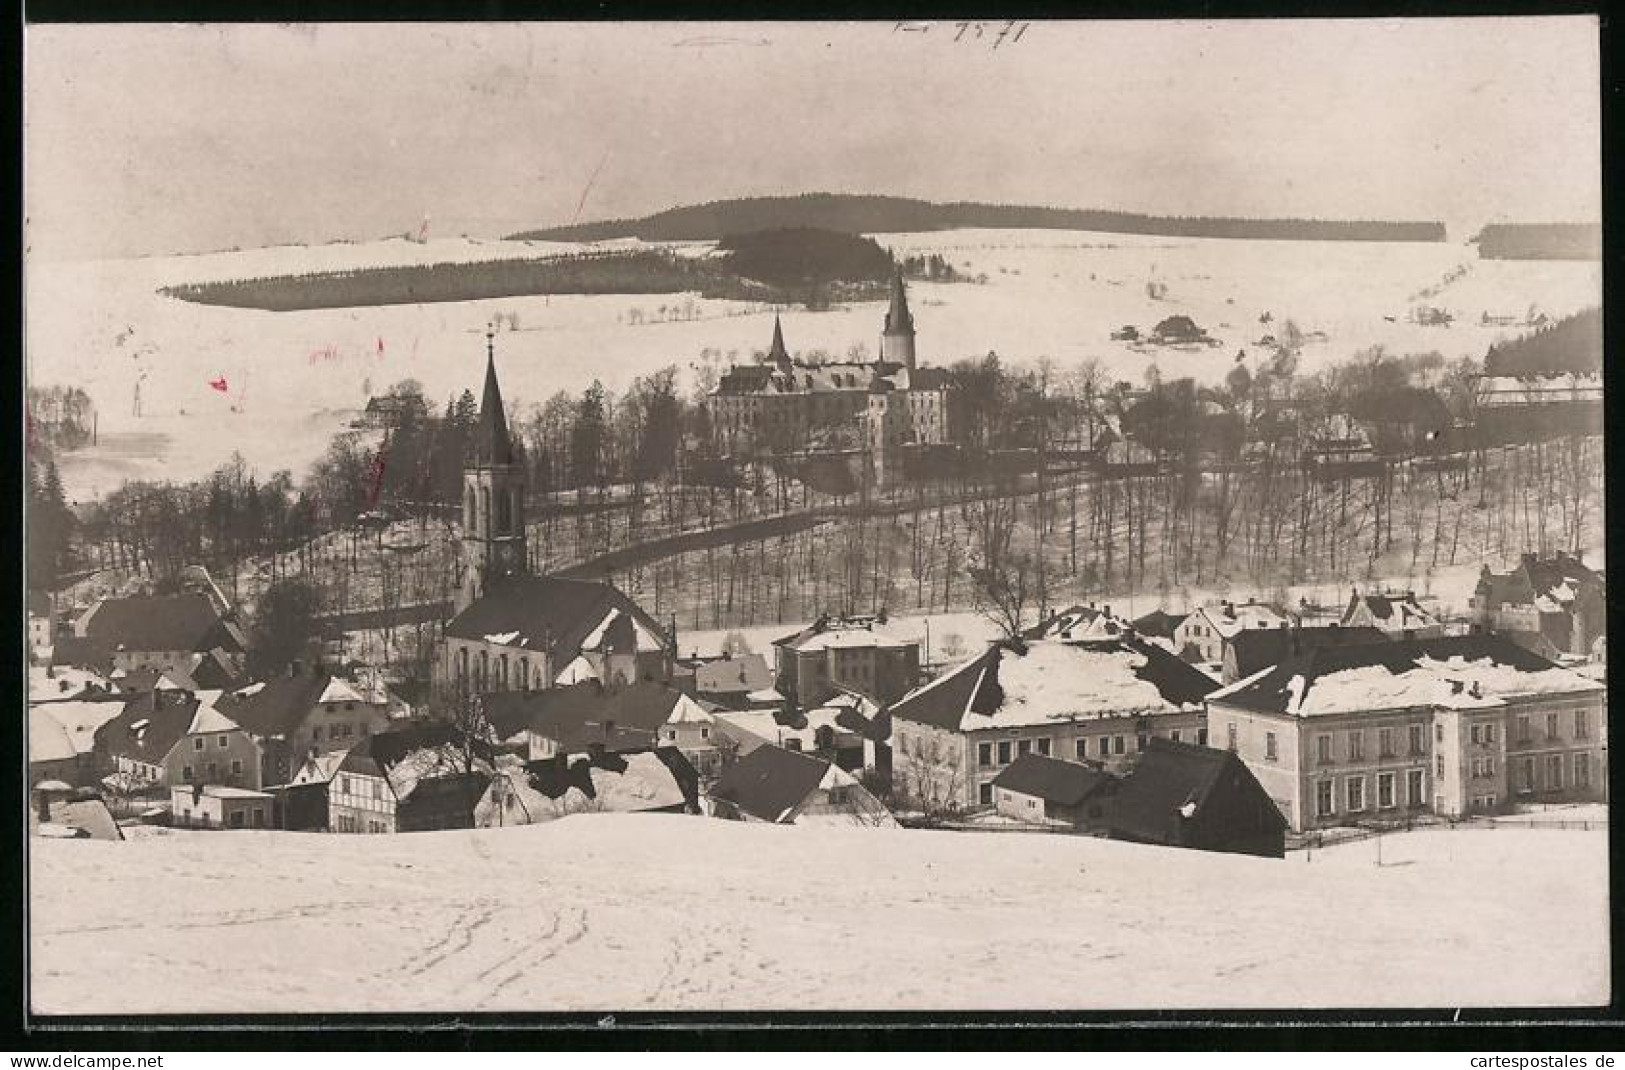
x=611 y=912
x=297 y=376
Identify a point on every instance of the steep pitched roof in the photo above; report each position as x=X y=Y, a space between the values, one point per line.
x=1460 y=671
x=144 y=733
x=1159 y=623
x=79 y=718
x=582 y=715
x=81 y=651
x=1056 y=681
x=160 y=622
x=492 y=444
x=776 y=352
x=1260 y=649
x=545 y=613
x=48 y=740
x=898 y=318
x=770 y=782
x=1050 y=779
x=276 y=706
x=1173 y=780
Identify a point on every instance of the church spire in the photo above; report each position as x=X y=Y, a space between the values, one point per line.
x=776 y=352
x=492 y=445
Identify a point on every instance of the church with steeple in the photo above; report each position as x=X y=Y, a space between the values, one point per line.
x=886 y=407
x=515 y=630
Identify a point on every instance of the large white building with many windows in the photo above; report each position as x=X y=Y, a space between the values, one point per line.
x=1378 y=731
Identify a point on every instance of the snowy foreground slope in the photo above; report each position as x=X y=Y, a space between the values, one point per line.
x=602 y=911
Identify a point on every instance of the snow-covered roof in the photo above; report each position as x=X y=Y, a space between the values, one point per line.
x=766 y=694
x=339 y=690
x=48 y=741
x=687 y=711
x=207 y=719
x=1227 y=621
x=762 y=725
x=1457 y=672
x=578 y=671
x=79 y=719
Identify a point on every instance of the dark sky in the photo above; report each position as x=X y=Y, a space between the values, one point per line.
x=173 y=138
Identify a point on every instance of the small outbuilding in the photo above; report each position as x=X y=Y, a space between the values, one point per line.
x=1049 y=791
x=1183 y=795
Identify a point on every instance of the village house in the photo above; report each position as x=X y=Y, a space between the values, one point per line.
x=853 y=653
x=1560 y=600
x=581 y=718
x=339 y=791
x=41 y=625
x=819 y=732
x=629 y=782
x=214 y=749
x=1397 y=614
x=727 y=680
x=1381 y=731
x=134 y=747
x=1099 y=701
x=62 y=738
x=302 y=710
x=1248 y=652
x=58 y=811
x=219 y=806
x=1080 y=623
x=158 y=632
x=1201 y=636
x=778 y=786
x=1049 y=791
x=1182 y=795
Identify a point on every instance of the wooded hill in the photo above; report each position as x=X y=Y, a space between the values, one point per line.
x=1540 y=241
x=795 y=265
x=1573 y=344
x=866 y=214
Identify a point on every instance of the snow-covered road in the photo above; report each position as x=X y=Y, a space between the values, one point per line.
x=620 y=912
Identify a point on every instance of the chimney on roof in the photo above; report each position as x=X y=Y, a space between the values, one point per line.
x=1108 y=611
x=1474 y=691
x=1455 y=687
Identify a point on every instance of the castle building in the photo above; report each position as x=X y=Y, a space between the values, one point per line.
x=881 y=407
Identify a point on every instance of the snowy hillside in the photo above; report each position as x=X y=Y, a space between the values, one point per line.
x=658 y=911
x=293 y=378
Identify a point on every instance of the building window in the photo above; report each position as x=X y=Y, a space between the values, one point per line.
x=1528 y=774
x=1582 y=724
x=1023 y=746
x=1356 y=745
x=1354 y=792
x=1081 y=747
x=1551 y=726
x=1201 y=737
x=1582 y=770
x=1414 y=794
x=1489 y=733
x=705 y=733
x=985 y=792
x=1439 y=772
x=1523 y=728
x=1323 y=749
x=1139 y=743
x=1117 y=744
x=1230 y=735
x=344 y=785
x=197 y=742
x=1419 y=739
x=1323 y=798
x=186 y=773
x=220 y=741
x=236 y=767
x=1385 y=742
x=1271 y=752
x=1043 y=746
x=1554 y=772
x=1438 y=733
x=1103 y=746
x=1473 y=732
x=1385 y=791
x=1174 y=735
x=1004 y=752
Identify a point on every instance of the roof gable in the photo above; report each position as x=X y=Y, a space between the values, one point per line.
x=770 y=783
x=158 y=622
x=1178 y=781
x=549 y=614
x=1051 y=779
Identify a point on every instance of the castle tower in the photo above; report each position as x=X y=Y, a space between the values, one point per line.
x=897 y=340
x=493 y=496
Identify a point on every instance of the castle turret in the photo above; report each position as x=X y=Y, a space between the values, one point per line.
x=897 y=340
x=493 y=496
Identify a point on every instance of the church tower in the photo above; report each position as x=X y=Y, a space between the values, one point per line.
x=493 y=496
x=897 y=340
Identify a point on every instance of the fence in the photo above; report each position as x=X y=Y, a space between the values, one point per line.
x=1321 y=840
